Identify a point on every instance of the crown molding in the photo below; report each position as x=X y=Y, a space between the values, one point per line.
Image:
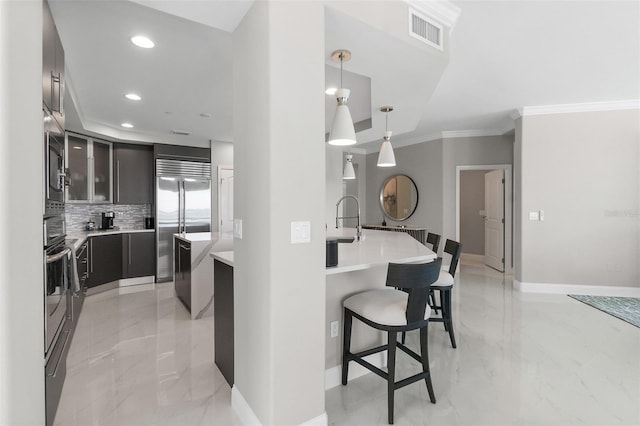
x=443 y=11
x=472 y=133
x=573 y=108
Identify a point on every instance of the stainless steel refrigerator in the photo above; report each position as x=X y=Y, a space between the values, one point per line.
x=183 y=205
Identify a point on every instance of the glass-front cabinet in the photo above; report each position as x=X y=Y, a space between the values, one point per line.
x=89 y=161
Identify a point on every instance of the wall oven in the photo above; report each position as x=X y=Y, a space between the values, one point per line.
x=56 y=307
x=55 y=176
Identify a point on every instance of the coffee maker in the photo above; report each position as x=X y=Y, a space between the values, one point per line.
x=107 y=220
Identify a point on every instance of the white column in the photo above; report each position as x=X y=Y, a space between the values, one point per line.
x=21 y=258
x=279 y=172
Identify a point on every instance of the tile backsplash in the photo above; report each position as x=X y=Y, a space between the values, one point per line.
x=128 y=216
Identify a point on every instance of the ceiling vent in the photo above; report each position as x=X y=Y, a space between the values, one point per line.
x=180 y=132
x=425 y=29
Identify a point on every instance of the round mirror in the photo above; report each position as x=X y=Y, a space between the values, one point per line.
x=398 y=197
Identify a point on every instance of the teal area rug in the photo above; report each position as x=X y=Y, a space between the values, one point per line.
x=625 y=308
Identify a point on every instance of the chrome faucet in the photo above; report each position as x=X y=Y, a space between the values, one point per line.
x=358 y=227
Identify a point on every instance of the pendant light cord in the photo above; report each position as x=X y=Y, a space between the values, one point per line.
x=341 y=69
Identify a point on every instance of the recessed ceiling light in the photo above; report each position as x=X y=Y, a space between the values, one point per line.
x=133 y=97
x=127 y=125
x=331 y=91
x=142 y=41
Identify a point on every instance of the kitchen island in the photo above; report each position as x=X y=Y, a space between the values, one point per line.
x=193 y=269
x=362 y=265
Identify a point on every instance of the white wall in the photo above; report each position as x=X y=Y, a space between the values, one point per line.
x=279 y=173
x=582 y=170
x=21 y=189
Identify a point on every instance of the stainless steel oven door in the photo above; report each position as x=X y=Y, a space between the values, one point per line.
x=54 y=230
x=55 y=291
x=54 y=160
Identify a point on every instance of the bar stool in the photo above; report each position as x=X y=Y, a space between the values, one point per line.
x=434 y=240
x=403 y=306
x=444 y=285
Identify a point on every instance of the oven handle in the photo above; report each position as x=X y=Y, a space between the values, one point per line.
x=58 y=256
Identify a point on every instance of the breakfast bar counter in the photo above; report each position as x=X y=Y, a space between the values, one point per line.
x=362 y=265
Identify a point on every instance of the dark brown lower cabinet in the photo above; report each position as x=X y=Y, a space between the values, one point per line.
x=105 y=259
x=182 y=273
x=118 y=256
x=138 y=254
x=223 y=319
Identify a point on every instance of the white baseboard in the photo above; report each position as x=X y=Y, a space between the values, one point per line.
x=249 y=418
x=333 y=375
x=591 y=290
x=243 y=409
x=125 y=282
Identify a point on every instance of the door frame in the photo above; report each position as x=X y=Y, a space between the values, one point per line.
x=218 y=195
x=508 y=207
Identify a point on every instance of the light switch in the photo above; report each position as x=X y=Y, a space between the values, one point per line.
x=533 y=215
x=237 y=228
x=300 y=232
x=541 y=215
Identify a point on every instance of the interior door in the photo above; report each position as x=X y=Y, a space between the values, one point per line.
x=494 y=219
x=225 y=199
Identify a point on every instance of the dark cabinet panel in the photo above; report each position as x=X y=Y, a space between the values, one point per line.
x=223 y=320
x=139 y=254
x=105 y=259
x=53 y=76
x=182 y=272
x=133 y=174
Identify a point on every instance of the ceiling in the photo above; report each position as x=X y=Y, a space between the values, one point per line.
x=500 y=56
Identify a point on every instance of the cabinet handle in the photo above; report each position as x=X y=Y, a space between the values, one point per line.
x=91 y=254
x=129 y=248
x=57 y=79
x=118 y=179
x=185 y=247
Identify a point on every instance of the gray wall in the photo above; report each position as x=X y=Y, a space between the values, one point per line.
x=469 y=151
x=21 y=208
x=471 y=202
x=221 y=155
x=432 y=165
x=423 y=164
x=582 y=169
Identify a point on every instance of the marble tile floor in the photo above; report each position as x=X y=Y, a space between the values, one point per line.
x=522 y=359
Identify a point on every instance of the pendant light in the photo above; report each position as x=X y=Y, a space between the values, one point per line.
x=349 y=172
x=386 y=158
x=342 y=130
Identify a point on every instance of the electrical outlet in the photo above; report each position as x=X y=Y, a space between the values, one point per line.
x=335 y=328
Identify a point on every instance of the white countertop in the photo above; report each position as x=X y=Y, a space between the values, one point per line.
x=376 y=248
x=223 y=256
x=197 y=236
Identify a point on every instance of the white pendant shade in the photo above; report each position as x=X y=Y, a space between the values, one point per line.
x=386 y=158
x=349 y=172
x=342 y=131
